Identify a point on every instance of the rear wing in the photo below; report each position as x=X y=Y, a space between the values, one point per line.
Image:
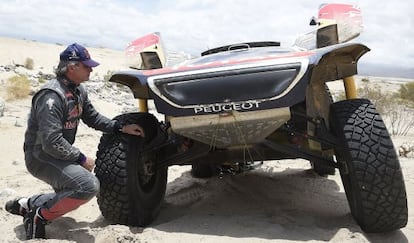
x=336 y=23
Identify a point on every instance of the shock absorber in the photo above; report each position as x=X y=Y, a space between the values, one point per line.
x=143 y=105
x=350 y=88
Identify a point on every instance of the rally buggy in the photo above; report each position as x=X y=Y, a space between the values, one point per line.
x=248 y=102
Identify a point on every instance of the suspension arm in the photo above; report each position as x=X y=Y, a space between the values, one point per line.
x=299 y=152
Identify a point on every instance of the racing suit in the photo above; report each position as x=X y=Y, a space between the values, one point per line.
x=49 y=152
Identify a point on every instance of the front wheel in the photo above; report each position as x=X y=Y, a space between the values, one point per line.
x=371 y=173
x=132 y=190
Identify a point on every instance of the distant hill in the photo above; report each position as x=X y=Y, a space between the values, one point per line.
x=381 y=70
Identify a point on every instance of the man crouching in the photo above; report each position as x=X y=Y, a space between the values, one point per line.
x=50 y=155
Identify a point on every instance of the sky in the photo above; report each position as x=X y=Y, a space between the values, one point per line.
x=192 y=26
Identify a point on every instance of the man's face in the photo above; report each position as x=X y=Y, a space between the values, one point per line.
x=78 y=73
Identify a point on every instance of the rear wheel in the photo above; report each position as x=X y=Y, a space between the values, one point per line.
x=131 y=190
x=371 y=174
x=202 y=170
x=322 y=170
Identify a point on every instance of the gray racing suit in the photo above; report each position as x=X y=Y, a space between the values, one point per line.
x=49 y=152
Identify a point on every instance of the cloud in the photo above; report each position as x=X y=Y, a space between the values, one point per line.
x=388 y=32
x=193 y=26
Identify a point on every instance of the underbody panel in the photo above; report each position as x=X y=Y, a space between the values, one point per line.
x=232 y=128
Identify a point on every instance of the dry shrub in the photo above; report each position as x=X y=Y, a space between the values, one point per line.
x=399 y=119
x=17 y=87
x=29 y=63
x=407 y=91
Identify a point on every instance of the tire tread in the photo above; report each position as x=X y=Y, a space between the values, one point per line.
x=378 y=201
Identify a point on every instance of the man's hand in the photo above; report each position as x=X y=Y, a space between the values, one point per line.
x=133 y=129
x=89 y=164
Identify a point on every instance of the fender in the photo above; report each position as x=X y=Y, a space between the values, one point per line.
x=135 y=80
x=337 y=62
x=332 y=63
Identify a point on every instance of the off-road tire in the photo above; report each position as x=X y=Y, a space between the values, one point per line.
x=202 y=170
x=371 y=174
x=322 y=170
x=127 y=194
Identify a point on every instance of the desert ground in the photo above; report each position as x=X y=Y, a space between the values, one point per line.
x=282 y=201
